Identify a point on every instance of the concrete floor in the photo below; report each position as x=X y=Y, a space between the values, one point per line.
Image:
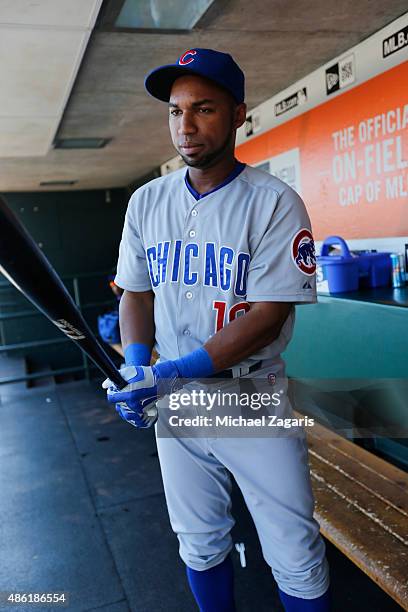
x=82 y=511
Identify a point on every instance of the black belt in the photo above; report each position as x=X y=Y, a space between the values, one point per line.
x=229 y=373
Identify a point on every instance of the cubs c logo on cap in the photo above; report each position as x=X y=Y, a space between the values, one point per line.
x=183 y=61
x=303 y=252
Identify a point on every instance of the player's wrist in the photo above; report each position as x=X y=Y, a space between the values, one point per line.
x=197 y=364
x=166 y=375
x=137 y=354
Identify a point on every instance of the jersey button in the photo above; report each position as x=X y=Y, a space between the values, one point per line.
x=194 y=213
x=189 y=295
x=187 y=332
x=192 y=234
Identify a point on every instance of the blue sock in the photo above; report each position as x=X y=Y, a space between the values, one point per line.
x=296 y=604
x=213 y=589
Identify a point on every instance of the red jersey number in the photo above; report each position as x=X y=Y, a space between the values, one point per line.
x=234 y=312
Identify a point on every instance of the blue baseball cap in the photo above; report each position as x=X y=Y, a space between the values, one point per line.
x=214 y=65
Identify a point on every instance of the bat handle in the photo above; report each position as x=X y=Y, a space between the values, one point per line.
x=117 y=379
x=119 y=382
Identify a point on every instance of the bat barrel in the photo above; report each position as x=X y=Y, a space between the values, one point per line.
x=27 y=268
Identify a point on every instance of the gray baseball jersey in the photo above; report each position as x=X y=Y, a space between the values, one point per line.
x=206 y=258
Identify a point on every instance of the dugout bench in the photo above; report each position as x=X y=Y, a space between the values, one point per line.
x=362 y=508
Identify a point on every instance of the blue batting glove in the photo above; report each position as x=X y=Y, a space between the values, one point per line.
x=143 y=418
x=146 y=384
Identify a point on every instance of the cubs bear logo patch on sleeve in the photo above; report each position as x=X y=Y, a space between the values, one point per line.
x=303 y=252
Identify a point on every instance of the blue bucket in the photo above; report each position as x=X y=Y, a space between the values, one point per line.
x=375 y=269
x=341 y=271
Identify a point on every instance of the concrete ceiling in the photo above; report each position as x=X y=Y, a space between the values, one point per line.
x=42 y=45
x=276 y=42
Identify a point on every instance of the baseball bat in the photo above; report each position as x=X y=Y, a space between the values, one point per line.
x=27 y=268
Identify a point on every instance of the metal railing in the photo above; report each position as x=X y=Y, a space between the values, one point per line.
x=25 y=313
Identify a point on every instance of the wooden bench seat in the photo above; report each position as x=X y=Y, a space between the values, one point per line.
x=362 y=508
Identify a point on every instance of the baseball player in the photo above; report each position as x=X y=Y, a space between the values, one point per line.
x=212 y=261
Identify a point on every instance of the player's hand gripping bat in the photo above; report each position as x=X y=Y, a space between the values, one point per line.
x=27 y=268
